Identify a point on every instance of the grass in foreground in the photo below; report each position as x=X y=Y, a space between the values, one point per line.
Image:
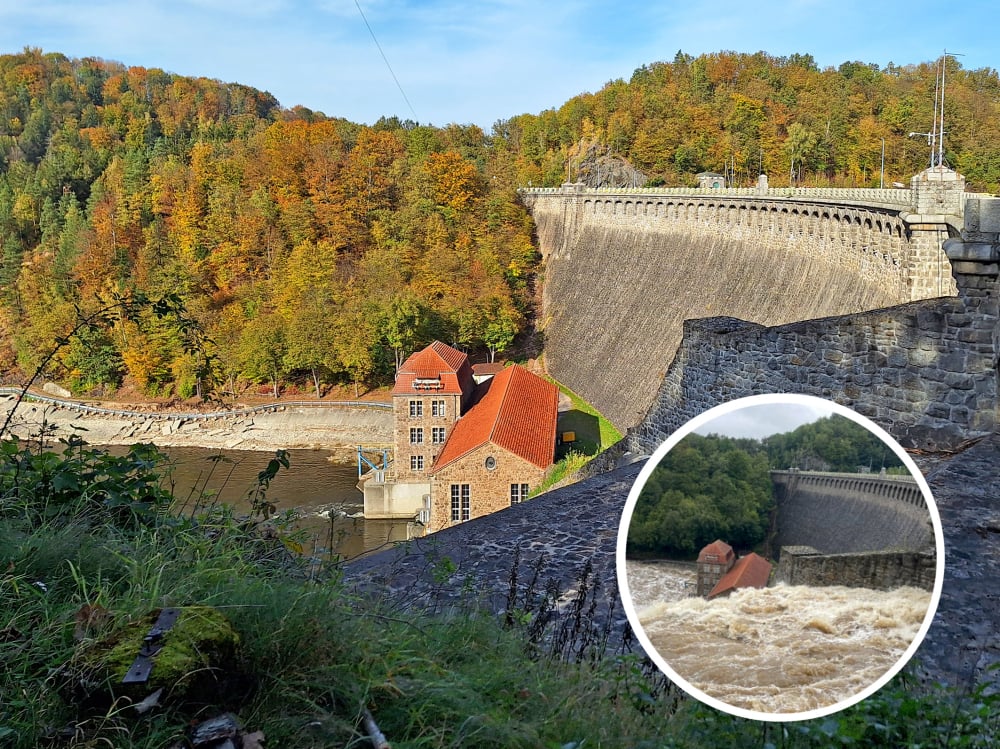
x=313 y=658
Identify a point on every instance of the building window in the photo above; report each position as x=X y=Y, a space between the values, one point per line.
x=416 y=408
x=437 y=435
x=416 y=462
x=518 y=493
x=416 y=435
x=437 y=408
x=491 y=463
x=461 y=504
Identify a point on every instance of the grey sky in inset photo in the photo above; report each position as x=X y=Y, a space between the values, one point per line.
x=763 y=420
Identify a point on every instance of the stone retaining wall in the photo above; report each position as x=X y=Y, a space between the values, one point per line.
x=925 y=371
x=881 y=570
x=837 y=515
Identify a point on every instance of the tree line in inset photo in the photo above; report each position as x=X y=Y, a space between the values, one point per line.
x=710 y=487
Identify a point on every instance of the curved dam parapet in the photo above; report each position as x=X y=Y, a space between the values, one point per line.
x=838 y=513
x=621 y=278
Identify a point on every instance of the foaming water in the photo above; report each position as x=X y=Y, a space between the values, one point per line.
x=785 y=649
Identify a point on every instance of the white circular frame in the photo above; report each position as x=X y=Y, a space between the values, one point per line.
x=640 y=482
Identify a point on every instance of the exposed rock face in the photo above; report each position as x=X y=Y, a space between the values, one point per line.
x=60 y=392
x=599 y=167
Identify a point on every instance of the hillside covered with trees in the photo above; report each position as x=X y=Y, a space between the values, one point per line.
x=747 y=114
x=300 y=244
x=709 y=487
x=308 y=249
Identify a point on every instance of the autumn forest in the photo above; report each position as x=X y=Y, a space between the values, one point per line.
x=309 y=251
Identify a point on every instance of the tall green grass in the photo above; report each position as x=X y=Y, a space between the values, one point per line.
x=314 y=657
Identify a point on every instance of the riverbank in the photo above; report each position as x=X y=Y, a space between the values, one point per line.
x=338 y=427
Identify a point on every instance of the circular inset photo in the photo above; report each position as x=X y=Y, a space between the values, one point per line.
x=780 y=557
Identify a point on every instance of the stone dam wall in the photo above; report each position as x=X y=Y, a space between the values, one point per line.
x=616 y=295
x=878 y=570
x=618 y=286
x=858 y=530
x=840 y=513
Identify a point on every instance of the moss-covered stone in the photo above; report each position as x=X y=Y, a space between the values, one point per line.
x=197 y=656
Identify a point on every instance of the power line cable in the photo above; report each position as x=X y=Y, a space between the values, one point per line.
x=386 y=60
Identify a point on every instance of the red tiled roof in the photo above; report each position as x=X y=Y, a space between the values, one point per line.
x=751 y=571
x=438 y=368
x=720 y=550
x=451 y=356
x=487 y=368
x=517 y=411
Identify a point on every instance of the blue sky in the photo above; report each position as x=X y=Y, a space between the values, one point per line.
x=477 y=62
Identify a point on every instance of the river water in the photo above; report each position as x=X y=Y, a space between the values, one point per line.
x=322 y=492
x=786 y=649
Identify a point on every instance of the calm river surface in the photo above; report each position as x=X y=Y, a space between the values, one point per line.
x=786 y=649
x=322 y=491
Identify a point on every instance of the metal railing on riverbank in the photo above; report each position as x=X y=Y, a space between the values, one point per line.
x=235 y=413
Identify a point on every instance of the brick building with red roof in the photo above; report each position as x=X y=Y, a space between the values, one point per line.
x=751 y=571
x=434 y=387
x=500 y=450
x=714 y=561
x=463 y=450
x=720 y=572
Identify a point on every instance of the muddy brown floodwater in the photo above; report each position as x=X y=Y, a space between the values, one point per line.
x=786 y=649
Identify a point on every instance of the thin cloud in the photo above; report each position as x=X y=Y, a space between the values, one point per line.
x=757 y=422
x=473 y=62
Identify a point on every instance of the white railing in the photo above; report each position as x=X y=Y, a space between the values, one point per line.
x=879 y=196
x=234 y=413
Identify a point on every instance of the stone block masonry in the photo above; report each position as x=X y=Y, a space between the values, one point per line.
x=925 y=371
x=876 y=570
x=624 y=268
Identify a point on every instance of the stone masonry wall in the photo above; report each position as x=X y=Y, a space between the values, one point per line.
x=925 y=371
x=616 y=295
x=489 y=488
x=884 y=570
x=842 y=513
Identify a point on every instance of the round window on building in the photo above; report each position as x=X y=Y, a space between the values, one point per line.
x=491 y=463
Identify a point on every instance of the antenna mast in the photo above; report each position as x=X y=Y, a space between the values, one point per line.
x=940 y=154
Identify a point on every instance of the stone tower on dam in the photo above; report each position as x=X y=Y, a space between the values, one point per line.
x=624 y=269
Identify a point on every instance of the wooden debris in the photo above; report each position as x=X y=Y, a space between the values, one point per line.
x=378 y=739
x=214 y=732
x=144 y=706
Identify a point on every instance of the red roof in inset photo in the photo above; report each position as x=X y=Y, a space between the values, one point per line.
x=751 y=571
x=438 y=368
x=516 y=410
x=717 y=551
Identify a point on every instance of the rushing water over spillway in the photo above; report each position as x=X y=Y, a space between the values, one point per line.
x=785 y=649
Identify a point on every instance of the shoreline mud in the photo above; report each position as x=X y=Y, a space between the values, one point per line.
x=340 y=428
